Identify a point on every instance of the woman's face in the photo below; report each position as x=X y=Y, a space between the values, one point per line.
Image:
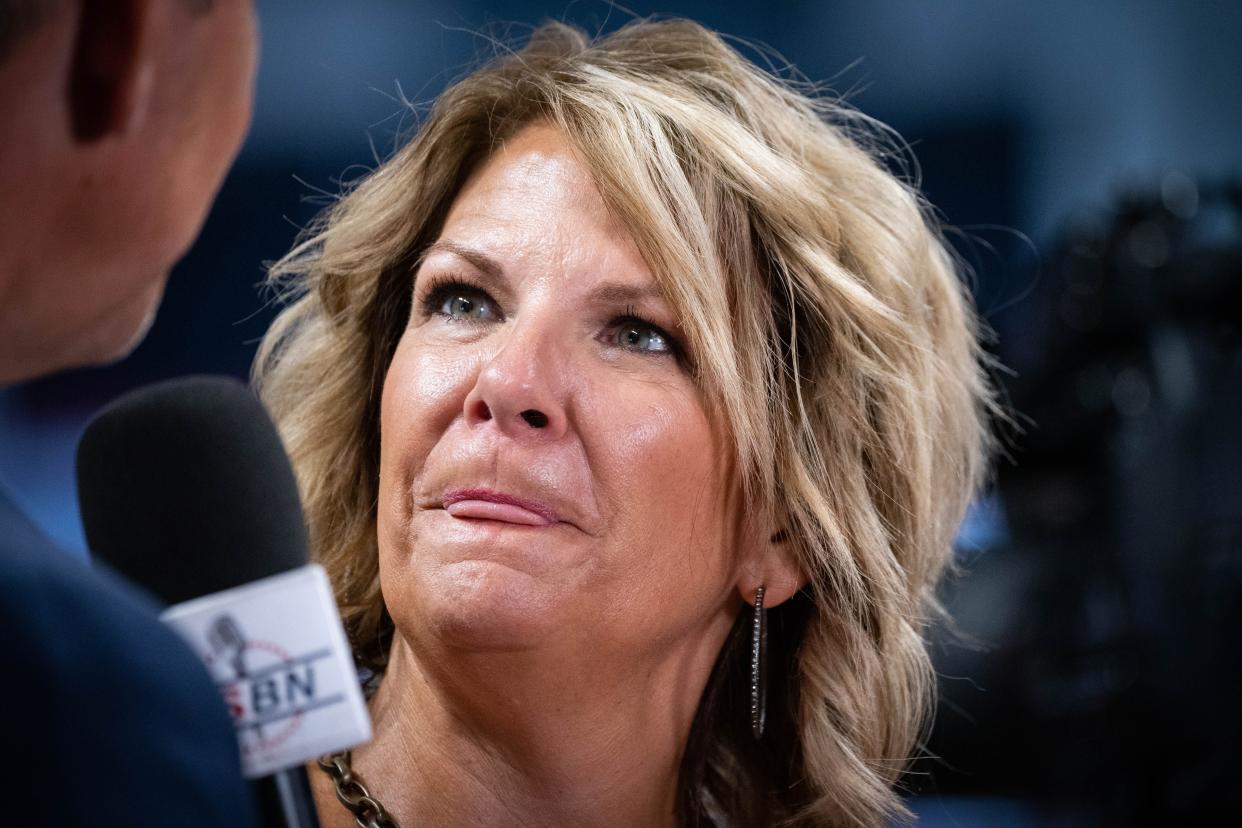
x=548 y=471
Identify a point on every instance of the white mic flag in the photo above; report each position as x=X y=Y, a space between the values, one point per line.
x=279 y=655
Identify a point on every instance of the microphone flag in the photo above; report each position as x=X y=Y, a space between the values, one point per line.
x=277 y=652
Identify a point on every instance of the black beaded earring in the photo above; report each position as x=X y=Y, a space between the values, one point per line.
x=758 y=665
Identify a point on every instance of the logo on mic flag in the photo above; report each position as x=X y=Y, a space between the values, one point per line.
x=279 y=656
x=271 y=690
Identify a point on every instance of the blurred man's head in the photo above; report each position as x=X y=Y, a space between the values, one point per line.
x=118 y=120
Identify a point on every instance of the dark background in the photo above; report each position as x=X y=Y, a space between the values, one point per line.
x=1088 y=158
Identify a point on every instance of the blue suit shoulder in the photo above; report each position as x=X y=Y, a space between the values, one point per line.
x=110 y=717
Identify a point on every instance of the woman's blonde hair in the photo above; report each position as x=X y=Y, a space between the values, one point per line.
x=831 y=331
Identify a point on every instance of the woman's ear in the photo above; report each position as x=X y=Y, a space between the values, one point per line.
x=769 y=560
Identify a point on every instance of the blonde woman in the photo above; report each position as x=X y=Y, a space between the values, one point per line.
x=635 y=405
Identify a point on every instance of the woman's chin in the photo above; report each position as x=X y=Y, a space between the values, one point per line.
x=483 y=605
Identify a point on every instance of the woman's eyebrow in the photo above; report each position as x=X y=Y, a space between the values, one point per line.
x=612 y=292
x=485 y=263
x=616 y=292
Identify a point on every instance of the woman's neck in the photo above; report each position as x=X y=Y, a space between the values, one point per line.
x=517 y=739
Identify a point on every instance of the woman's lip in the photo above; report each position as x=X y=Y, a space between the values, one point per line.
x=492 y=505
x=490 y=510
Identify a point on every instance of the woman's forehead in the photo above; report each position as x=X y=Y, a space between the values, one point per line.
x=536 y=174
x=534 y=205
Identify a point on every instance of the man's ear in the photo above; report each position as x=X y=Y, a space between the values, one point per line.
x=769 y=561
x=113 y=67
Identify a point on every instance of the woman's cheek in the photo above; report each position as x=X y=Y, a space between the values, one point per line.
x=657 y=448
x=433 y=376
x=425 y=391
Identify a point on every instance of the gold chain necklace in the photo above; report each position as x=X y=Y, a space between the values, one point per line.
x=353 y=794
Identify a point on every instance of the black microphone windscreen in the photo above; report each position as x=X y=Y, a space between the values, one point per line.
x=185 y=488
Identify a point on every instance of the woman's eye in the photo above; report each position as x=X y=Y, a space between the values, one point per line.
x=636 y=335
x=459 y=306
x=455 y=301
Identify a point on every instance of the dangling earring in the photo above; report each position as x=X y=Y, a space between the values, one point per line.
x=758 y=665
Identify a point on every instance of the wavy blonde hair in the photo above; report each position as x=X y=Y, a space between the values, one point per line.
x=832 y=332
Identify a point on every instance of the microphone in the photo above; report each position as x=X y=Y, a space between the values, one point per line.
x=185 y=489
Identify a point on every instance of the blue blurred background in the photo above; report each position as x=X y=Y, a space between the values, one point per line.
x=1088 y=157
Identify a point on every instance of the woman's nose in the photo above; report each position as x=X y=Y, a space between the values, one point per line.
x=521 y=389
